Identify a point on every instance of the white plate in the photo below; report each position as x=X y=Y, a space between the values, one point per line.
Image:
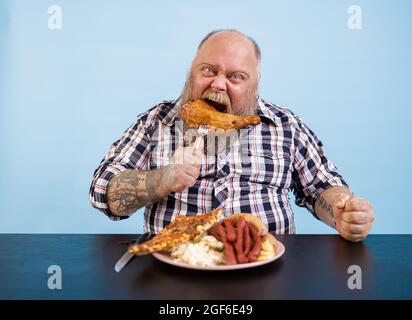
x=280 y=250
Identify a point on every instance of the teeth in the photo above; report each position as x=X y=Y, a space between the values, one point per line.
x=217 y=98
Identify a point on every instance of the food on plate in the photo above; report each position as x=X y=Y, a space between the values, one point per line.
x=180 y=230
x=245 y=238
x=268 y=247
x=199 y=112
x=205 y=252
x=259 y=225
x=204 y=241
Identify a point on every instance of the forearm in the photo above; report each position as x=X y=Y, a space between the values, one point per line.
x=131 y=189
x=324 y=203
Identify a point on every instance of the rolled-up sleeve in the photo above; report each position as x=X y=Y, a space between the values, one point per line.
x=129 y=152
x=313 y=172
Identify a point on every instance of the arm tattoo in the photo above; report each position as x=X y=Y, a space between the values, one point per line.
x=323 y=206
x=327 y=207
x=131 y=190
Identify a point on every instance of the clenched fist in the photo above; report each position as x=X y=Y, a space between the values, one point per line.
x=353 y=217
x=183 y=170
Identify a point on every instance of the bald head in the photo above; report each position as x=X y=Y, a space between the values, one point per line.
x=233 y=33
x=233 y=45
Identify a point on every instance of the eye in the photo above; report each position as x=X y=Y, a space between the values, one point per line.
x=208 y=71
x=236 y=77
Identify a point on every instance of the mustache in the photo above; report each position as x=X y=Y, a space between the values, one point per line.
x=221 y=98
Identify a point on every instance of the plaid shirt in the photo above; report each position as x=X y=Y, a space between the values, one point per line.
x=253 y=176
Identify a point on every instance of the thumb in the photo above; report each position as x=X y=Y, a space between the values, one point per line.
x=178 y=156
x=198 y=146
x=340 y=203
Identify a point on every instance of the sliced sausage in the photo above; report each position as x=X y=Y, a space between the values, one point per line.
x=230 y=254
x=230 y=230
x=257 y=244
x=241 y=222
x=246 y=240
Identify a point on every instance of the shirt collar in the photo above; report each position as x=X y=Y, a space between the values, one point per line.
x=264 y=111
x=168 y=112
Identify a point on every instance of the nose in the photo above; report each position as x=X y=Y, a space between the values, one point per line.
x=219 y=83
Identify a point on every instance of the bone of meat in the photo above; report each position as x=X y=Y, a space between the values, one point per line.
x=198 y=112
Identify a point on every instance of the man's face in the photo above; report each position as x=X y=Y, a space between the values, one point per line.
x=225 y=72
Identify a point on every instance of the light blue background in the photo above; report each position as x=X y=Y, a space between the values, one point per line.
x=66 y=95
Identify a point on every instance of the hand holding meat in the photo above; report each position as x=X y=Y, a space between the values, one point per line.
x=183 y=170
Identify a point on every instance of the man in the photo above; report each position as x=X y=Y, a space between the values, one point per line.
x=149 y=166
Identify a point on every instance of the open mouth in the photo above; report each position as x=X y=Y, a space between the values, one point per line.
x=221 y=107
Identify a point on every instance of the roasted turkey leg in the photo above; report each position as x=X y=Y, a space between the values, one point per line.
x=198 y=112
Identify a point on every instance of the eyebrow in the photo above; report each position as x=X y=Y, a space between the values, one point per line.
x=215 y=67
x=206 y=64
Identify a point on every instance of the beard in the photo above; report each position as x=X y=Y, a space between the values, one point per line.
x=217 y=141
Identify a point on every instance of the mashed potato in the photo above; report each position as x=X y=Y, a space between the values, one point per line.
x=205 y=252
x=267 y=251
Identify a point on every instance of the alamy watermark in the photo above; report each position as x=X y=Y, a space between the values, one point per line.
x=355 y=19
x=55 y=280
x=355 y=280
x=55 y=17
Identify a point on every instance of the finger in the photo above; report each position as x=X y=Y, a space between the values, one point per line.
x=192 y=159
x=341 y=201
x=198 y=153
x=353 y=228
x=356 y=217
x=178 y=156
x=357 y=204
x=184 y=182
x=195 y=154
x=187 y=157
x=352 y=237
x=191 y=170
x=190 y=181
x=339 y=205
x=200 y=146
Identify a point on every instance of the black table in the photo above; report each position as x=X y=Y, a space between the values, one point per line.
x=313 y=267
